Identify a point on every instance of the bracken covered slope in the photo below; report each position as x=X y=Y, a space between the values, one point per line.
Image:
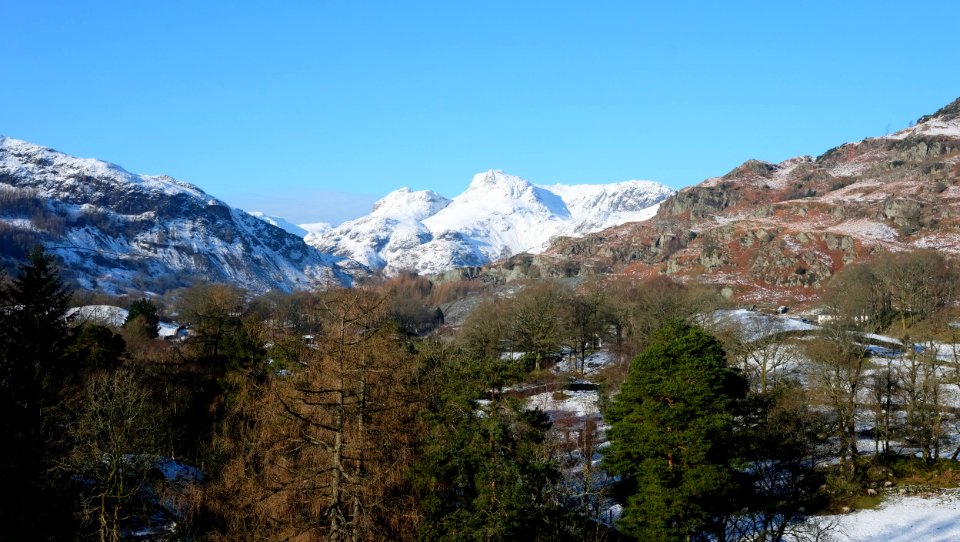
x=775 y=233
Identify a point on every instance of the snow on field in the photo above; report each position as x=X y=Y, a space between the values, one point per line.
x=593 y=363
x=108 y=315
x=578 y=403
x=903 y=519
x=755 y=325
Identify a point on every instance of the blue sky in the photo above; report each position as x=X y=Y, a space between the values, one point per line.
x=311 y=110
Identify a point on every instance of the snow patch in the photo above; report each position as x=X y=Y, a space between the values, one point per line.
x=903 y=519
x=865 y=229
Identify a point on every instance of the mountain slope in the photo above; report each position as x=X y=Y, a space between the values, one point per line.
x=498 y=215
x=774 y=233
x=116 y=230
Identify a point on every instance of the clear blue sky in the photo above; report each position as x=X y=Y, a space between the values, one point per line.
x=312 y=110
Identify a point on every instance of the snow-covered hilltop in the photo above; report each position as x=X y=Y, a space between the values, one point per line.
x=499 y=215
x=116 y=230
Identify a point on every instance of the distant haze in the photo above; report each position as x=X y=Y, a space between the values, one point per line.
x=307 y=206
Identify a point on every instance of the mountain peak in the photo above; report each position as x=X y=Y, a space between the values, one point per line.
x=416 y=204
x=497 y=180
x=498 y=214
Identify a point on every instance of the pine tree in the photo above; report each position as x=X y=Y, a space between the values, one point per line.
x=33 y=340
x=672 y=437
x=143 y=313
x=484 y=472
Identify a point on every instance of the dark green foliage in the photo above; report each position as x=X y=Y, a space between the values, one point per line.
x=143 y=313
x=672 y=436
x=95 y=347
x=222 y=349
x=33 y=335
x=484 y=472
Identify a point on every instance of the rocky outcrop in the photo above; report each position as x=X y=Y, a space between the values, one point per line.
x=699 y=201
x=775 y=233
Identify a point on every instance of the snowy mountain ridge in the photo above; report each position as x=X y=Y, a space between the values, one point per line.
x=498 y=215
x=281 y=223
x=115 y=230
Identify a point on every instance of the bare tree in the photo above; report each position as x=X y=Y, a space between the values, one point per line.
x=883 y=385
x=586 y=321
x=115 y=433
x=920 y=377
x=761 y=348
x=536 y=318
x=859 y=296
x=837 y=370
x=484 y=332
x=919 y=282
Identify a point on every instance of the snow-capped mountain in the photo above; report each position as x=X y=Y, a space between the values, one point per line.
x=281 y=223
x=116 y=230
x=497 y=216
x=392 y=228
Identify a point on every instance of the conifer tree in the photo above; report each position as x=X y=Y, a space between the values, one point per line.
x=485 y=474
x=672 y=437
x=144 y=314
x=33 y=338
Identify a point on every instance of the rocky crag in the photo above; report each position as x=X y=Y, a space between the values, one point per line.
x=775 y=233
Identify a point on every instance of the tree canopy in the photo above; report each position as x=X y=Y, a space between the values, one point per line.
x=672 y=434
x=143 y=315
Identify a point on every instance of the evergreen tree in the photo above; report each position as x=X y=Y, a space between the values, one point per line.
x=33 y=339
x=144 y=314
x=672 y=437
x=484 y=472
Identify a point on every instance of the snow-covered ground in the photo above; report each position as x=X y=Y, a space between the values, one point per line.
x=108 y=315
x=898 y=519
x=578 y=403
x=594 y=362
x=902 y=519
x=755 y=325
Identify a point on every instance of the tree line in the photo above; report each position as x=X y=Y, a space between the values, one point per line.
x=353 y=414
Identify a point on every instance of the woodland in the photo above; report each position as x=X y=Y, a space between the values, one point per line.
x=367 y=413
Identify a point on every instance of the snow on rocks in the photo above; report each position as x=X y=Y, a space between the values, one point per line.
x=935 y=127
x=106 y=315
x=866 y=230
x=123 y=231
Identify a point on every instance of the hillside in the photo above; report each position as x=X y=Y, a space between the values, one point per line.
x=774 y=233
x=116 y=231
